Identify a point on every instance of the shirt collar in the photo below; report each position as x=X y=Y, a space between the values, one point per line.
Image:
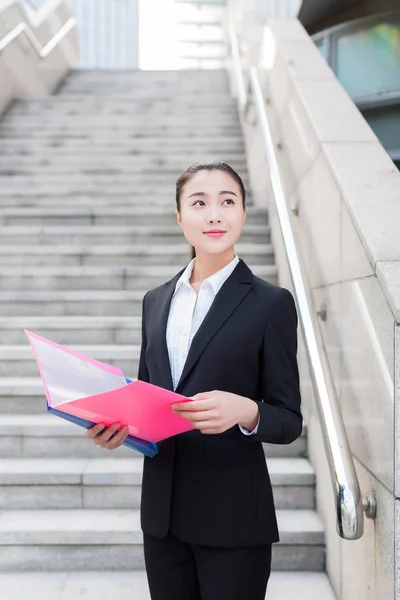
x=216 y=280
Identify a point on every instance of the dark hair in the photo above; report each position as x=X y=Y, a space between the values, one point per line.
x=214 y=166
x=217 y=165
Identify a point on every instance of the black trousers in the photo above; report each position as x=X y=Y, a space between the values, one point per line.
x=177 y=570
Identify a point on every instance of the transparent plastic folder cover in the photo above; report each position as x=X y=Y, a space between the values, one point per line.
x=86 y=391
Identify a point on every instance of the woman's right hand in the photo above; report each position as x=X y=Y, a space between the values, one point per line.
x=101 y=435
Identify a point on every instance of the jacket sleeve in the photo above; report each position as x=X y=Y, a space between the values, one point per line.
x=143 y=373
x=280 y=415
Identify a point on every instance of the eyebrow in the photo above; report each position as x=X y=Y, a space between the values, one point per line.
x=219 y=193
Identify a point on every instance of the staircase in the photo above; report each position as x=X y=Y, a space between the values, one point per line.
x=87 y=225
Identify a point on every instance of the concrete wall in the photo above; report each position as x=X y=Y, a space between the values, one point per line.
x=346 y=190
x=22 y=73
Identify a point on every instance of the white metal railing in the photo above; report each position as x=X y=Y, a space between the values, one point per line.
x=42 y=51
x=350 y=504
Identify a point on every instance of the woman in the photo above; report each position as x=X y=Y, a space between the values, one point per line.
x=228 y=339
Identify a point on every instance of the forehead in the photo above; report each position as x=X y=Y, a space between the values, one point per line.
x=211 y=182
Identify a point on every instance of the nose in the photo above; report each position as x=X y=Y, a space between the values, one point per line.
x=213 y=216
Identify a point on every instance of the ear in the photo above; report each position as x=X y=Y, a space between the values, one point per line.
x=179 y=219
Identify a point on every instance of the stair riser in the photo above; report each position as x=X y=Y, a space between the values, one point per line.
x=139 y=120
x=44 y=496
x=112 y=183
x=86 y=283
x=28 y=368
x=115 y=260
x=124 y=557
x=105 y=240
x=97 y=219
x=165 y=91
x=123 y=110
x=78 y=308
x=122 y=163
x=123 y=106
x=130 y=146
x=79 y=446
x=82 y=335
x=174 y=130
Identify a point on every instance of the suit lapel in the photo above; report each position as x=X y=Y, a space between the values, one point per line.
x=231 y=294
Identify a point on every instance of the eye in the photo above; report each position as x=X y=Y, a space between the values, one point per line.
x=194 y=204
x=229 y=200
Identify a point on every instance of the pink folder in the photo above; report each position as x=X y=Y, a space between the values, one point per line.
x=96 y=392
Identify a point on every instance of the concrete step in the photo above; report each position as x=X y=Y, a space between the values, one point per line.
x=176 y=87
x=101 y=215
x=79 y=539
x=43 y=435
x=170 y=129
x=166 y=90
x=96 y=278
x=69 y=330
x=89 y=184
x=115 y=483
x=121 y=161
x=283 y=585
x=136 y=120
x=110 y=181
x=68 y=303
x=23 y=198
x=118 y=254
x=58 y=106
x=17 y=360
x=218 y=147
x=134 y=113
x=104 y=234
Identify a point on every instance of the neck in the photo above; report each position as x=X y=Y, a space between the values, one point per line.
x=206 y=265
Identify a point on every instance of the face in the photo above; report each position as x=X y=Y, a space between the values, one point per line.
x=211 y=200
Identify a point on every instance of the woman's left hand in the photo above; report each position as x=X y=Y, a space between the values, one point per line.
x=216 y=411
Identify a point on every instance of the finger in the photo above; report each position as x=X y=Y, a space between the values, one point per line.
x=203 y=417
x=198 y=416
x=111 y=438
x=195 y=405
x=107 y=434
x=118 y=439
x=95 y=430
x=202 y=396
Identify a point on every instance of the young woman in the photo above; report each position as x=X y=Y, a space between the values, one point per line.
x=228 y=339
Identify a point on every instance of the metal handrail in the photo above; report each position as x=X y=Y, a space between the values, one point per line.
x=42 y=51
x=237 y=67
x=350 y=504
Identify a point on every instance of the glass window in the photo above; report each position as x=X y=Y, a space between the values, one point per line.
x=322 y=47
x=385 y=122
x=368 y=60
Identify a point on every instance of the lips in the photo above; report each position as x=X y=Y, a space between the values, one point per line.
x=215 y=233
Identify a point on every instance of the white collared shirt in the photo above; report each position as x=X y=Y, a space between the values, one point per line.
x=186 y=314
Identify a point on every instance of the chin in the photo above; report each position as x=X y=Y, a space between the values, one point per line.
x=213 y=250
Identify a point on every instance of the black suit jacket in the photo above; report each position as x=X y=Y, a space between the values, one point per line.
x=215 y=490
